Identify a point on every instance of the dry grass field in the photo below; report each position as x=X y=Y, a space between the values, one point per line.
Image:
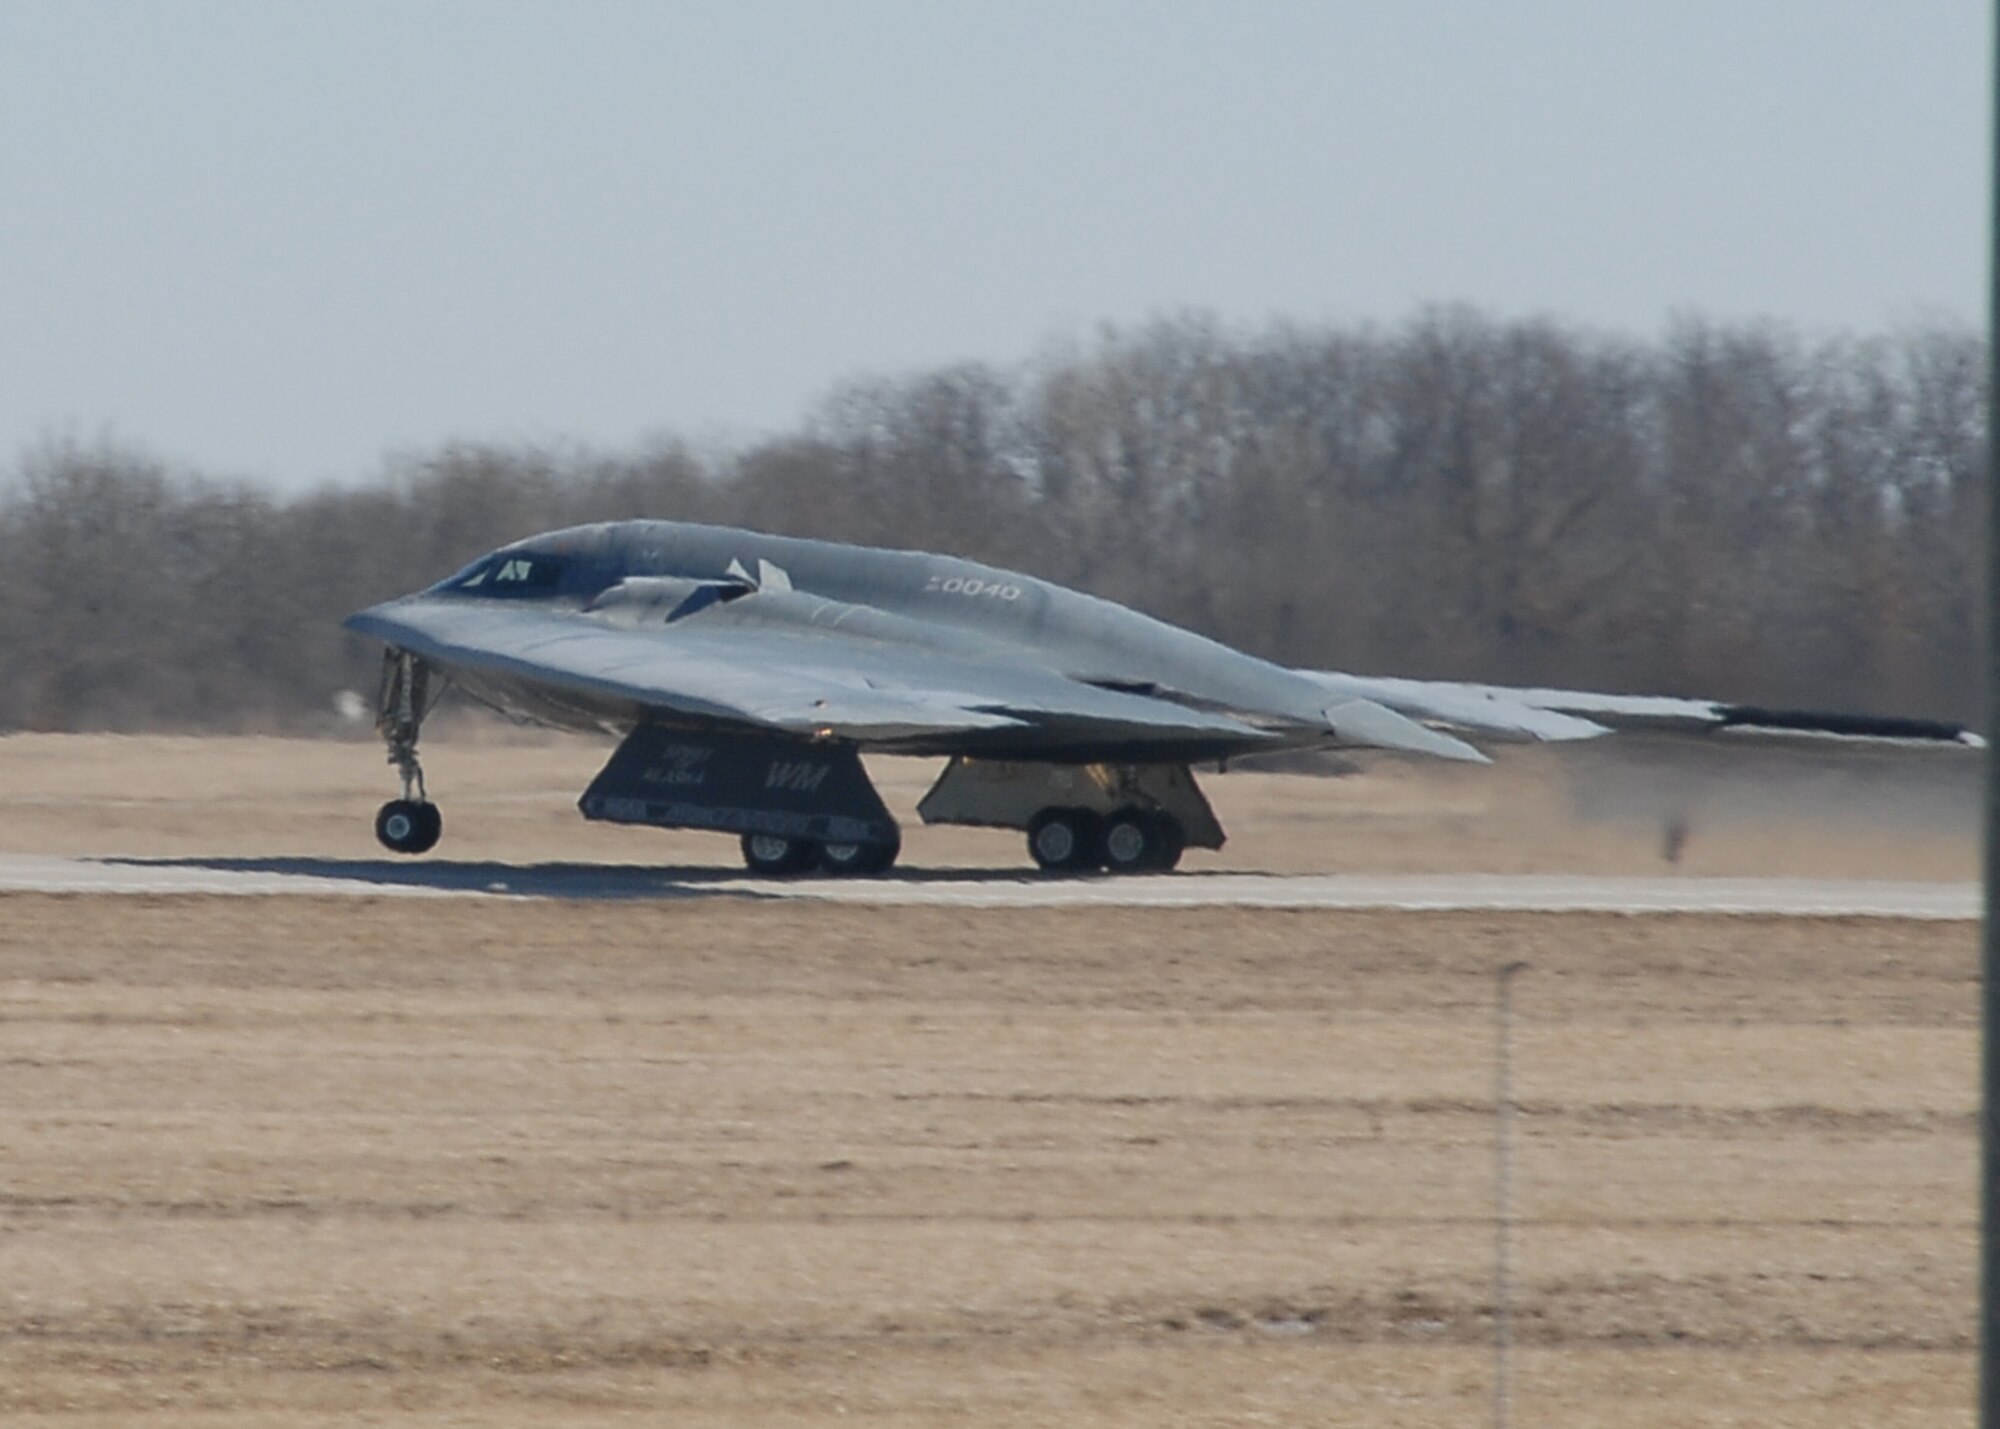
x=1743 y=808
x=720 y=1161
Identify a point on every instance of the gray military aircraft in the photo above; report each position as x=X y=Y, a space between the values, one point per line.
x=746 y=672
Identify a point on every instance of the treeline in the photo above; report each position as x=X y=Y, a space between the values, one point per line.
x=1728 y=510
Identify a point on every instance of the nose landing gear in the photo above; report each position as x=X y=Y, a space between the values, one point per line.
x=408 y=826
x=411 y=824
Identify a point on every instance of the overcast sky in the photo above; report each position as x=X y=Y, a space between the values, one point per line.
x=281 y=241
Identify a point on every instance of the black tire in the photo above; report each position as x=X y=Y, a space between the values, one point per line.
x=409 y=825
x=775 y=856
x=1141 y=841
x=857 y=860
x=1170 y=843
x=1128 y=841
x=1064 y=840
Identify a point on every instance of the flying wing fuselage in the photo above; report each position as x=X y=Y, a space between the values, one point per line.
x=615 y=625
x=746 y=672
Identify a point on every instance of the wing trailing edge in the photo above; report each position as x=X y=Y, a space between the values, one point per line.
x=1548 y=714
x=1373 y=724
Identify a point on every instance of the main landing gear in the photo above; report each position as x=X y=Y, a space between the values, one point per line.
x=411 y=824
x=796 y=805
x=1125 y=818
x=1129 y=840
x=774 y=856
x=1060 y=840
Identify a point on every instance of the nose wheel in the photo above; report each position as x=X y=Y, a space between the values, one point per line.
x=411 y=824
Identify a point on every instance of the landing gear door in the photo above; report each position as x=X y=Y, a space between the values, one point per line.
x=741 y=784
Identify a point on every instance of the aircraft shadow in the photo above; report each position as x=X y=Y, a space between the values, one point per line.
x=583 y=881
x=535 y=880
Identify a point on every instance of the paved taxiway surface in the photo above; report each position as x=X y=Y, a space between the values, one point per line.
x=973 y=888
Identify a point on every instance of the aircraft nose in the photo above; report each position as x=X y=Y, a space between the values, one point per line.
x=372 y=620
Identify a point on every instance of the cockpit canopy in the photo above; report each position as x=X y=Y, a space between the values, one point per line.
x=507 y=574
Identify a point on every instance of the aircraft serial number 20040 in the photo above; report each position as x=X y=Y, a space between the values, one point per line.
x=745 y=674
x=973 y=585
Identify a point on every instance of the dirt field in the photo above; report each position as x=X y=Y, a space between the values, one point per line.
x=713 y=1161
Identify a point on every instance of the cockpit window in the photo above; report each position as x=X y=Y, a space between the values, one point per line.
x=511 y=573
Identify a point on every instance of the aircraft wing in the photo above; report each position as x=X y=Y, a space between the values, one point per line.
x=1546 y=714
x=775 y=679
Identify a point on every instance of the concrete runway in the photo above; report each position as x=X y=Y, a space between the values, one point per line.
x=977 y=888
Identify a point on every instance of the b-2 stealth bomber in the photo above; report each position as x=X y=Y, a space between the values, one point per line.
x=745 y=673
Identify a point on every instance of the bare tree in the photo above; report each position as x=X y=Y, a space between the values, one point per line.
x=1730 y=510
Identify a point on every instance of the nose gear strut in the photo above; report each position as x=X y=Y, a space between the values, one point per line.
x=411 y=824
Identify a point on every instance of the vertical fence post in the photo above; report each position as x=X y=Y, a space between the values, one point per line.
x=1989 y=1114
x=1503 y=1195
